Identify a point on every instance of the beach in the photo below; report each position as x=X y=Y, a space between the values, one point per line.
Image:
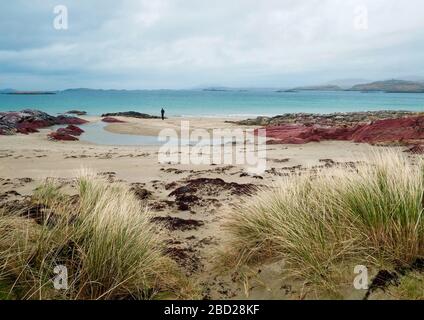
x=188 y=202
x=275 y=151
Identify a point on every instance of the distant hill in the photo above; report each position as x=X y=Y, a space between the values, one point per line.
x=7 y=90
x=19 y=92
x=348 y=83
x=400 y=86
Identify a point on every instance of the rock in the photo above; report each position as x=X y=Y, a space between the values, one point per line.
x=380 y=131
x=391 y=130
x=25 y=121
x=70 y=120
x=112 y=120
x=131 y=114
x=61 y=136
x=28 y=121
x=71 y=130
x=77 y=112
x=332 y=119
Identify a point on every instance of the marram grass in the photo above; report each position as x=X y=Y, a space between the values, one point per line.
x=322 y=223
x=105 y=239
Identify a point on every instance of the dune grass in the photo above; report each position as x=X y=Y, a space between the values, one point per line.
x=103 y=236
x=322 y=223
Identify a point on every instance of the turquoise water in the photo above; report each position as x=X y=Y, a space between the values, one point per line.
x=213 y=103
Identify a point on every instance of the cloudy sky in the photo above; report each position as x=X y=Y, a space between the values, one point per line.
x=145 y=44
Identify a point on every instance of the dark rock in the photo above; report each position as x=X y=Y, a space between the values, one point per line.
x=131 y=114
x=28 y=121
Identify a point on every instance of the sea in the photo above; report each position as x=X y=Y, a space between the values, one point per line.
x=213 y=103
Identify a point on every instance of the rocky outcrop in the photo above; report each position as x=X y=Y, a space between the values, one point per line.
x=391 y=130
x=332 y=119
x=130 y=114
x=70 y=133
x=112 y=120
x=25 y=121
x=403 y=130
x=28 y=121
x=69 y=120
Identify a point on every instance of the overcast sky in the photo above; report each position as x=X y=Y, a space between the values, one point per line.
x=144 y=44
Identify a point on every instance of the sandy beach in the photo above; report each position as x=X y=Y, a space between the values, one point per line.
x=194 y=154
x=189 y=202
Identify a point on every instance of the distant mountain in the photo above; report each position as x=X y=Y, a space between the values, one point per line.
x=400 y=86
x=7 y=90
x=314 y=88
x=347 y=83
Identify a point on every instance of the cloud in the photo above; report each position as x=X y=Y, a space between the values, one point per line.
x=184 y=43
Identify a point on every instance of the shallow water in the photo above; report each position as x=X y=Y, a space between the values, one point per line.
x=94 y=132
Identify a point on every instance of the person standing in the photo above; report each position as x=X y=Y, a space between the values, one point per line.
x=163 y=114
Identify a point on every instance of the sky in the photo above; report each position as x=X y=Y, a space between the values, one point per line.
x=176 y=44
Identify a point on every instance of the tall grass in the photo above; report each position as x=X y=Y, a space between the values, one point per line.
x=318 y=223
x=104 y=238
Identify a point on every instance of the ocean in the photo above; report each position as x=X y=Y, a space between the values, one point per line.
x=244 y=103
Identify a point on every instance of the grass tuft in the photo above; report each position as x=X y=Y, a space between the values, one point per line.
x=103 y=236
x=317 y=224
